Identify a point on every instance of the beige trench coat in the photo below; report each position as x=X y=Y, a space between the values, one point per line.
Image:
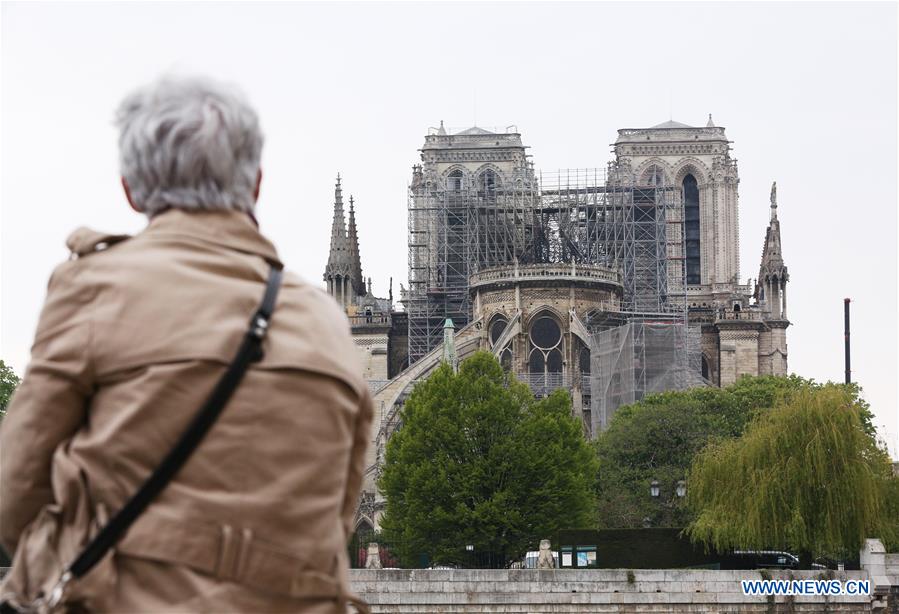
x=133 y=336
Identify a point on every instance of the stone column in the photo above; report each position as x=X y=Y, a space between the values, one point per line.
x=775 y=299
x=783 y=285
x=707 y=232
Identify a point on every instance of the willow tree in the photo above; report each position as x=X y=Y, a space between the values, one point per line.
x=478 y=460
x=658 y=437
x=805 y=476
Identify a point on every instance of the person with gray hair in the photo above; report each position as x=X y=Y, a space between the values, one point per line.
x=134 y=335
x=189 y=144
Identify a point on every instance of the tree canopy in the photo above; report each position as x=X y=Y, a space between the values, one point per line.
x=8 y=383
x=658 y=437
x=805 y=476
x=478 y=460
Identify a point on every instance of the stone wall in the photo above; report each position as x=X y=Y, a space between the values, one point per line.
x=373 y=355
x=586 y=591
x=739 y=354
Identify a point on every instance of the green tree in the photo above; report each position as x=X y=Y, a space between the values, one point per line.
x=805 y=476
x=8 y=383
x=478 y=460
x=658 y=437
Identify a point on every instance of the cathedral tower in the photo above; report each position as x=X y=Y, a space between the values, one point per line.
x=696 y=161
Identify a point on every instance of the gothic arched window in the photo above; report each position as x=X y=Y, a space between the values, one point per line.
x=505 y=359
x=488 y=182
x=497 y=326
x=585 y=360
x=454 y=181
x=691 y=228
x=545 y=361
x=653 y=176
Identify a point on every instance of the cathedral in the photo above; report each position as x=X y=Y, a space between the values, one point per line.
x=610 y=282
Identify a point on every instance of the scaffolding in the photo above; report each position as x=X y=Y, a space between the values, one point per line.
x=590 y=216
x=645 y=233
x=641 y=357
x=456 y=229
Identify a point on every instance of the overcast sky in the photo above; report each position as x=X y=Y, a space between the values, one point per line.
x=807 y=93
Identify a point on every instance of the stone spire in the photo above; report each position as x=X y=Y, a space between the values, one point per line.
x=355 y=261
x=771 y=253
x=338 y=269
x=770 y=287
x=710 y=123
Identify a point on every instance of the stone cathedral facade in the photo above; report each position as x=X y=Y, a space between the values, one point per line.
x=537 y=315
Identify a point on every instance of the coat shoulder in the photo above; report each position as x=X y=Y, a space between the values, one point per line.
x=325 y=324
x=85 y=241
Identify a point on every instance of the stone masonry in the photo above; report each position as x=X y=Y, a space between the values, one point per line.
x=588 y=591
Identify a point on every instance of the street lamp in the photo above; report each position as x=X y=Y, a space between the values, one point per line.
x=681 y=488
x=470 y=547
x=654 y=488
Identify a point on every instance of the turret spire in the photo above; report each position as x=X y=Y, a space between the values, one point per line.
x=355 y=259
x=771 y=286
x=338 y=269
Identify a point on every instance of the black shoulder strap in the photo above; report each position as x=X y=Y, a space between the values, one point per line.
x=250 y=351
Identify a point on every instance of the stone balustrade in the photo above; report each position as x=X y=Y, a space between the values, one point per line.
x=746 y=316
x=370 y=319
x=545 y=272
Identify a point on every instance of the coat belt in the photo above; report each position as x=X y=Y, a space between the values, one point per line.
x=233 y=554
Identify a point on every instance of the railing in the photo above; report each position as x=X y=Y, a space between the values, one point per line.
x=454 y=131
x=689 y=131
x=750 y=316
x=718 y=288
x=543 y=384
x=366 y=319
x=545 y=271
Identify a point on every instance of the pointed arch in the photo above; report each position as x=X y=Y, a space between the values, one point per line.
x=496 y=326
x=544 y=310
x=642 y=173
x=456 y=178
x=691 y=166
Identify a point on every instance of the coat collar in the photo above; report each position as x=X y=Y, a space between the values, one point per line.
x=233 y=229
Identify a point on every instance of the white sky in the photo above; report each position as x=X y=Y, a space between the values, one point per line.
x=807 y=92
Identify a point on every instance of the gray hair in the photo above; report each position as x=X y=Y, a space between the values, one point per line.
x=191 y=144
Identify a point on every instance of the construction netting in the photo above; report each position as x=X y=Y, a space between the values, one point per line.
x=640 y=358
